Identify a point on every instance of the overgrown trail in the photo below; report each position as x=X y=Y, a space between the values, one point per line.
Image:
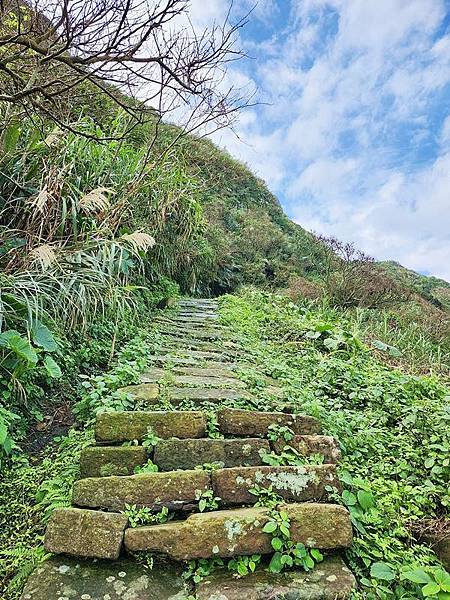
x=200 y=473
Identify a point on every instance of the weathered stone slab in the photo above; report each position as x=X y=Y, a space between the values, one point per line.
x=159 y=375
x=210 y=369
x=307 y=445
x=211 y=394
x=198 y=314
x=154 y=490
x=200 y=333
x=217 y=355
x=86 y=533
x=103 y=461
x=75 y=579
x=234 y=421
x=329 y=580
x=133 y=425
x=296 y=484
x=147 y=392
x=176 y=342
x=187 y=454
x=232 y=532
x=220 y=533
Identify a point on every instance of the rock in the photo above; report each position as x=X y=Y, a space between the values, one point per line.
x=75 y=579
x=329 y=580
x=324 y=526
x=297 y=484
x=153 y=375
x=86 y=533
x=307 y=445
x=235 y=421
x=205 y=333
x=102 y=461
x=228 y=533
x=219 y=533
x=211 y=394
x=147 y=392
x=187 y=454
x=208 y=370
x=174 y=489
x=176 y=379
x=441 y=546
x=133 y=425
x=191 y=343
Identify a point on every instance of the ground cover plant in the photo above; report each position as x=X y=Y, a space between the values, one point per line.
x=393 y=429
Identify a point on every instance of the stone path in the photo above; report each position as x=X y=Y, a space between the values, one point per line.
x=208 y=447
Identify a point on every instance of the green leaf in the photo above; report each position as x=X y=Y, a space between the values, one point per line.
x=21 y=347
x=270 y=527
x=381 y=570
x=431 y=589
x=52 y=367
x=443 y=579
x=365 y=499
x=417 y=576
x=349 y=498
x=43 y=337
x=316 y=554
x=3 y=433
x=443 y=596
x=277 y=544
x=276 y=565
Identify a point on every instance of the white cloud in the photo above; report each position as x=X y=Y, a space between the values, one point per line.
x=352 y=140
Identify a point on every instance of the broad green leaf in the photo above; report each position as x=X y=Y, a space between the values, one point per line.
x=52 y=367
x=3 y=433
x=381 y=570
x=417 y=576
x=276 y=565
x=431 y=589
x=43 y=337
x=365 y=499
x=23 y=349
x=349 y=498
x=270 y=527
x=277 y=544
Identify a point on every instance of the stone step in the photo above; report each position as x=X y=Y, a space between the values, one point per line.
x=87 y=533
x=64 y=578
x=217 y=355
x=103 y=461
x=182 y=363
x=157 y=375
x=198 y=314
x=307 y=445
x=293 y=484
x=191 y=321
x=147 y=392
x=174 y=489
x=198 y=302
x=122 y=426
x=239 y=422
x=329 y=580
x=176 y=395
x=188 y=454
x=228 y=533
x=188 y=343
x=209 y=369
x=195 y=333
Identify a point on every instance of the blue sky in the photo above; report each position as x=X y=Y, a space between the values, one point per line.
x=353 y=130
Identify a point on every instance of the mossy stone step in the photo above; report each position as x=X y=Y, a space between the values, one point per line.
x=293 y=484
x=204 y=314
x=67 y=578
x=147 y=392
x=103 y=461
x=176 y=394
x=188 y=454
x=158 y=375
x=174 y=489
x=329 y=580
x=190 y=321
x=204 y=333
x=228 y=533
x=307 y=445
x=122 y=426
x=188 y=343
x=217 y=355
x=248 y=423
x=208 y=370
x=87 y=533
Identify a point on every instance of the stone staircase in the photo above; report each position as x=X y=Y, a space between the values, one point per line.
x=196 y=365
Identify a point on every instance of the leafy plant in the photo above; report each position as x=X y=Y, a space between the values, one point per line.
x=151 y=439
x=138 y=516
x=277 y=432
x=206 y=500
x=433 y=582
x=149 y=467
x=243 y=565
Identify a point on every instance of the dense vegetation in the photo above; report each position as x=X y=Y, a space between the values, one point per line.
x=95 y=237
